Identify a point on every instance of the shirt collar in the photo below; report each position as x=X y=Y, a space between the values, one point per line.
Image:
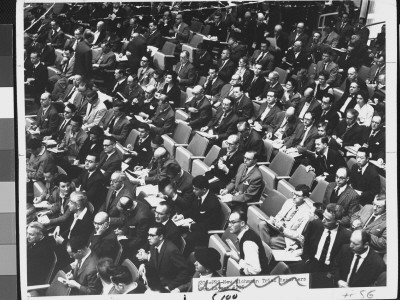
x=204 y=197
x=364 y=255
x=240 y=235
x=341 y=189
x=85 y=257
x=37 y=64
x=363 y=168
x=159 y=247
x=42 y=152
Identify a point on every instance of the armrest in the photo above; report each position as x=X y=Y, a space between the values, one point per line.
x=210 y=232
x=197 y=157
x=30 y=116
x=169 y=56
x=282 y=177
x=181 y=145
x=263 y=163
x=38 y=287
x=254 y=203
x=128 y=160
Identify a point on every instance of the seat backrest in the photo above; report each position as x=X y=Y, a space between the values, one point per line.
x=282 y=75
x=131 y=139
x=232 y=268
x=256 y=107
x=317 y=195
x=351 y=162
x=301 y=176
x=269 y=177
x=198 y=145
x=118 y=257
x=216 y=243
x=132 y=268
x=337 y=94
x=383 y=183
x=267 y=150
x=206 y=30
x=58 y=288
x=182 y=245
x=285 y=188
x=182 y=133
x=52 y=267
x=202 y=80
x=196 y=26
x=282 y=164
x=196 y=40
x=181 y=115
x=268 y=251
x=184 y=97
x=168 y=48
x=363 y=72
x=280 y=269
x=224 y=216
x=273 y=204
x=212 y=155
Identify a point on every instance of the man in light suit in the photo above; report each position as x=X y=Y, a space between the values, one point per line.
x=185 y=70
x=74 y=137
x=65 y=67
x=115 y=122
x=327 y=64
x=248 y=184
x=357 y=265
x=372 y=218
x=289 y=223
x=308 y=103
x=47 y=119
x=165 y=257
x=329 y=36
x=266 y=113
x=145 y=72
x=95 y=111
x=283 y=124
x=342 y=193
x=84 y=280
x=264 y=58
x=180 y=31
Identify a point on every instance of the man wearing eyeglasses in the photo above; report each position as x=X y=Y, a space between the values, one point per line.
x=110 y=159
x=342 y=193
x=285 y=229
x=145 y=72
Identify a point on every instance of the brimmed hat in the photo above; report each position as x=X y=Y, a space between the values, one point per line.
x=208 y=258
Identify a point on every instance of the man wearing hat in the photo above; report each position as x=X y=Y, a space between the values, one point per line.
x=208 y=262
x=95 y=111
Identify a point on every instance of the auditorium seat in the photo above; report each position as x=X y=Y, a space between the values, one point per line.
x=282 y=75
x=56 y=288
x=132 y=268
x=165 y=58
x=317 y=195
x=216 y=243
x=351 y=162
x=196 y=26
x=199 y=167
x=181 y=115
x=232 y=268
x=363 y=72
x=337 y=94
x=131 y=139
x=300 y=176
x=196 y=149
x=267 y=150
x=180 y=137
x=383 y=184
x=280 y=269
x=191 y=47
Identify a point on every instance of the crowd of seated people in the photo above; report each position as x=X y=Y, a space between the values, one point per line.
x=108 y=189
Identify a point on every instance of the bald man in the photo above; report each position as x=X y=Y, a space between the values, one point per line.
x=199 y=108
x=283 y=124
x=162 y=159
x=103 y=241
x=295 y=58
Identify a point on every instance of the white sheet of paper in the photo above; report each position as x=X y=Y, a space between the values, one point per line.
x=153 y=200
x=183 y=222
x=148 y=189
x=283 y=255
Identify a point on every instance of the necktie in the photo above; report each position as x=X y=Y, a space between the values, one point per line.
x=223 y=64
x=82 y=100
x=260 y=57
x=325 y=248
x=140 y=141
x=70 y=94
x=325 y=64
x=354 y=271
x=372 y=135
x=335 y=196
x=78 y=266
x=290 y=214
x=111 y=126
x=66 y=66
x=156 y=254
x=283 y=124
x=304 y=137
x=244 y=172
x=252 y=82
x=180 y=68
x=112 y=198
x=371 y=220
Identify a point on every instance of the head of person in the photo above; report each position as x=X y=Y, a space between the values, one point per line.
x=184 y=57
x=321 y=144
x=162 y=212
x=117 y=180
x=260 y=18
x=359 y=241
x=235 y=79
x=178 y=19
x=379 y=204
x=171 y=77
x=297 y=46
x=76 y=123
x=106 y=47
x=156 y=234
x=122 y=279
x=91 y=162
x=77 y=201
x=118 y=108
x=119 y=74
x=342 y=177
x=265 y=45
x=257 y=69
x=45 y=100
x=309 y=119
x=225 y=54
x=100 y=26
x=233 y=143
x=213 y=71
x=96 y=133
x=103 y=268
x=332 y=215
x=316 y=37
x=101 y=222
x=290 y=112
x=237 y=221
x=34 y=146
x=361 y=21
x=69 y=111
x=327 y=102
x=362 y=98
x=50 y=173
x=271 y=97
x=149 y=91
x=144 y=62
x=243 y=62
x=76 y=80
x=83 y=86
x=376 y=123
x=77 y=247
x=35 y=232
x=125 y=204
x=323 y=77
x=232 y=42
x=156 y=141
x=317 y=210
x=200 y=186
x=328 y=28
x=109 y=144
x=301 y=192
x=273 y=77
x=68 y=52
x=152 y=26
x=161 y=154
x=291 y=85
x=198 y=92
x=78 y=34
x=88 y=36
x=92 y=97
x=351 y=116
x=35 y=57
x=227 y=104
x=278 y=29
x=362 y=156
x=173 y=171
x=300 y=27
x=345 y=17
x=207 y=260
x=144 y=130
x=250 y=158
x=132 y=81
x=301 y=74
x=243 y=129
x=350 y=48
x=65 y=185
x=380 y=60
x=352 y=74
x=238 y=91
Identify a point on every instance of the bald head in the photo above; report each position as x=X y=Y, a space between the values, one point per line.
x=290 y=111
x=101 y=217
x=198 y=89
x=308 y=92
x=160 y=152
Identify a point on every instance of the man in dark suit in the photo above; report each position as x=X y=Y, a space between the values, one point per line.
x=326 y=161
x=348 y=99
x=133 y=95
x=327 y=64
x=273 y=84
x=357 y=265
x=92 y=181
x=223 y=124
x=256 y=83
x=344 y=29
x=199 y=109
x=308 y=103
x=163 y=215
x=206 y=212
x=165 y=257
x=83 y=56
x=58 y=135
x=295 y=59
x=226 y=90
x=303 y=138
x=218 y=28
x=186 y=71
x=352 y=76
x=364 y=177
x=106 y=62
x=135 y=50
x=374 y=139
x=84 y=279
x=36 y=77
x=103 y=241
x=56 y=37
x=80 y=98
x=163 y=121
x=226 y=66
x=202 y=59
x=154 y=36
x=249 y=139
x=47 y=119
x=110 y=159
x=180 y=31
x=328 y=114
x=348 y=132
x=298 y=35
x=141 y=152
x=120 y=83
x=237 y=50
x=323 y=240
x=213 y=83
x=243 y=106
x=264 y=58
x=266 y=113
x=119 y=187
x=283 y=125
x=40 y=252
x=372 y=218
x=342 y=193
x=115 y=122
x=248 y=183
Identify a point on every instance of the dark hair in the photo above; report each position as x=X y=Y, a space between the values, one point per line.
x=200 y=182
x=325 y=74
x=365 y=236
x=294 y=83
x=353 y=112
x=95 y=155
x=324 y=139
x=71 y=106
x=214 y=67
x=33 y=144
x=144 y=126
x=173 y=169
x=111 y=139
x=50 y=168
x=264 y=41
x=77 y=243
x=121 y=274
x=242 y=214
x=364 y=150
x=63 y=178
x=304 y=189
x=173 y=74
x=330 y=97
x=312 y=115
x=69 y=49
x=364 y=95
x=127 y=205
x=103 y=268
x=239 y=85
x=272 y=91
x=92 y=95
x=319 y=209
x=167 y=205
x=163 y=183
x=78 y=119
x=160 y=228
x=336 y=210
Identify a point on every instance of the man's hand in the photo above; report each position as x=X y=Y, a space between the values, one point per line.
x=73 y=284
x=342 y=284
x=142 y=255
x=203 y=129
x=59 y=239
x=234 y=255
x=268 y=136
x=309 y=168
x=193 y=110
x=223 y=192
